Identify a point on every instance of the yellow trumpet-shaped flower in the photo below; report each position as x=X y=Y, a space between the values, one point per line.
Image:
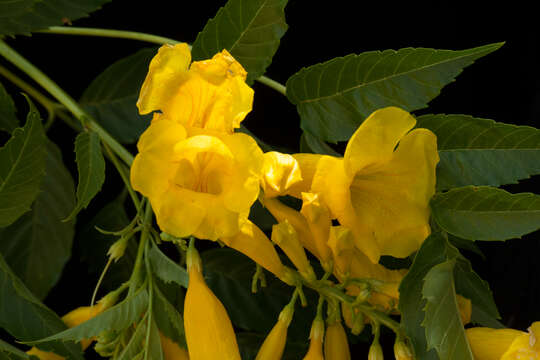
x=341 y=243
x=316 y=336
x=336 y=346
x=209 y=332
x=203 y=185
x=505 y=344
x=171 y=350
x=378 y=191
x=319 y=221
x=274 y=344
x=280 y=173
x=210 y=94
x=285 y=236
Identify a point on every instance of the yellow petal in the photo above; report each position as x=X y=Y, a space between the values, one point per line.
x=341 y=243
x=315 y=351
x=318 y=219
x=374 y=142
x=336 y=346
x=166 y=72
x=521 y=349
x=274 y=343
x=534 y=331
x=44 y=355
x=251 y=241
x=280 y=173
x=171 y=350
x=209 y=332
x=491 y=344
x=308 y=165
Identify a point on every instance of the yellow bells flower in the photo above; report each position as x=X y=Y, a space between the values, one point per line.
x=319 y=221
x=209 y=94
x=209 y=331
x=171 y=350
x=381 y=193
x=274 y=344
x=203 y=185
x=251 y=241
x=504 y=344
x=316 y=336
x=341 y=243
x=280 y=173
x=336 y=346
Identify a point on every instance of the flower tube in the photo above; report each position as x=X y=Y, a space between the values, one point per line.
x=316 y=336
x=274 y=344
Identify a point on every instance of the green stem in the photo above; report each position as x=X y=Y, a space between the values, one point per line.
x=134 y=279
x=72 y=30
x=122 y=171
x=60 y=95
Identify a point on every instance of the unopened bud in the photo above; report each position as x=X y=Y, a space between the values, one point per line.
x=375 y=351
x=117 y=250
x=402 y=351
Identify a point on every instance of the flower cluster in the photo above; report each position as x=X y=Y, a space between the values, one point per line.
x=202 y=178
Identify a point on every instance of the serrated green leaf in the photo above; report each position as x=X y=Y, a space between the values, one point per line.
x=91 y=169
x=316 y=146
x=334 y=98
x=476 y=151
x=26 y=318
x=153 y=345
x=25 y=16
x=116 y=318
x=134 y=346
x=111 y=97
x=38 y=244
x=168 y=319
x=8 y=120
x=480 y=317
x=8 y=350
x=166 y=269
x=486 y=213
x=249 y=29
x=22 y=164
x=444 y=329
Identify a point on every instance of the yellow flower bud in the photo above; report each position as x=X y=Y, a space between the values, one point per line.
x=171 y=350
x=319 y=221
x=209 y=332
x=375 y=351
x=117 y=250
x=336 y=346
x=315 y=351
x=285 y=236
x=402 y=351
x=280 y=172
x=274 y=344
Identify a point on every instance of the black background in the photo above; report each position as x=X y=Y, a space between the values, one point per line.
x=504 y=86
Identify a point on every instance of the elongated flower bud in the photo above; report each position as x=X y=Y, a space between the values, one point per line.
x=315 y=351
x=285 y=236
x=402 y=351
x=274 y=344
x=375 y=351
x=209 y=332
x=336 y=346
x=318 y=218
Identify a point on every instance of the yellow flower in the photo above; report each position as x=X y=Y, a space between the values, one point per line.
x=209 y=332
x=315 y=351
x=319 y=222
x=505 y=344
x=209 y=94
x=375 y=351
x=274 y=344
x=402 y=351
x=379 y=192
x=171 y=350
x=203 y=185
x=280 y=173
x=336 y=346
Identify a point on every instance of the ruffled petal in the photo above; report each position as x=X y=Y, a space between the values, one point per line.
x=280 y=173
x=308 y=165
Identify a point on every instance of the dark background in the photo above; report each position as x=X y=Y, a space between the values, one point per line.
x=504 y=86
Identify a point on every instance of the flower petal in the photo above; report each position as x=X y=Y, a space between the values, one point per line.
x=491 y=344
x=280 y=172
x=308 y=165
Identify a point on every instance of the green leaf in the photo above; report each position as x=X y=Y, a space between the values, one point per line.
x=466 y=245
x=91 y=168
x=134 y=346
x=334 y=98
x=153 y=344
x=25 y=16
x=168 y=319
x=11 y=352
x=111 y=97
x=26 y=318
x=444 y=329
x=166 y=269
x=8 y=120
x=476 y=151
x=22 y=164
x=316 y=145
x=480 y=317
x=486 y=213
x=38 y=244
x=116 y=318
x=249 y=29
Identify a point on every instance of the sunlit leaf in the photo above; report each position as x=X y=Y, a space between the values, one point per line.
x=334 y=98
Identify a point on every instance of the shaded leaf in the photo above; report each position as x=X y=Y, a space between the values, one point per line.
x=11 y=352
x=153 y=345
x=26 y=318
x=91 y=169
x=168 y=319
x=38 y=244
x=476 y=151
x=111 y=97
x=249 y=29
x=22 y=164
x=316 y=145
x=25 y=16
x=134 y=346
x=116 y=318
x=8 y=120
x=486 y=213
x=334 y=98
x=166 y=269
x=480 y=317
x=466 y=245
x=444 y=329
